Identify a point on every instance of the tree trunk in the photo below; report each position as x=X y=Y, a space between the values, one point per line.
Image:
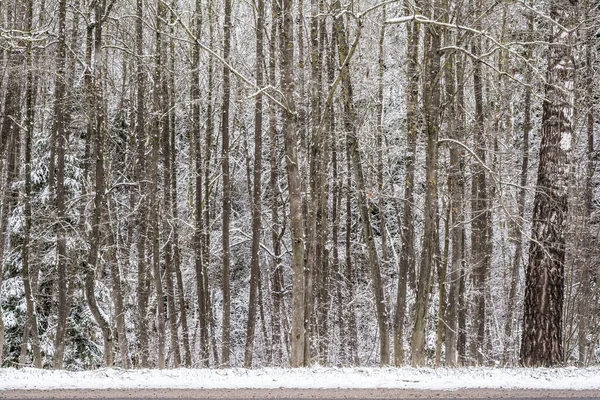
x=351 y=127
x=167 y=218
x=277 y=230
x=226 y=329
x=141 y=215
x=30 y=302
x=480 y=213
x=263 y=320
x=518 y=255
x=154 y=205
x=461 y=340
x=199 y=238
x=286 y=44
x=257 y=190
x=455 y=184
x=207 y=189
x=380 y=139
x=442 y=303
x=380 y=181
x=349 y=270
x=586 y=290
x=181 y=301
x=406 y=273
x=117 y=288
x=99 y=130
x=542 y=341
x=316 y=171
x=336 y=206
x=10 y=139
x=59 y=130
x=429 y=256
x=322 y=260
x=9 y=197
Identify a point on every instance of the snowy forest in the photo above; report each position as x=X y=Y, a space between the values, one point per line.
x=251 y=183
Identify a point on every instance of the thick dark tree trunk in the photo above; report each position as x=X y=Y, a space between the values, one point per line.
x=542 y=341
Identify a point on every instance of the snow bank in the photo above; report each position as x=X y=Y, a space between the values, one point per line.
x=304 y=378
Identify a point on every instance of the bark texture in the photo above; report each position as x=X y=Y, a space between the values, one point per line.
x=286 y=43
x=430 y=251
x=542 y=341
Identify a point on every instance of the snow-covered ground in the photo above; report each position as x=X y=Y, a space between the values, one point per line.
x=316 y=377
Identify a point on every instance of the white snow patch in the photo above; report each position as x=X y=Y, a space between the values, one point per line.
x=565 y=141
x=304 y=378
